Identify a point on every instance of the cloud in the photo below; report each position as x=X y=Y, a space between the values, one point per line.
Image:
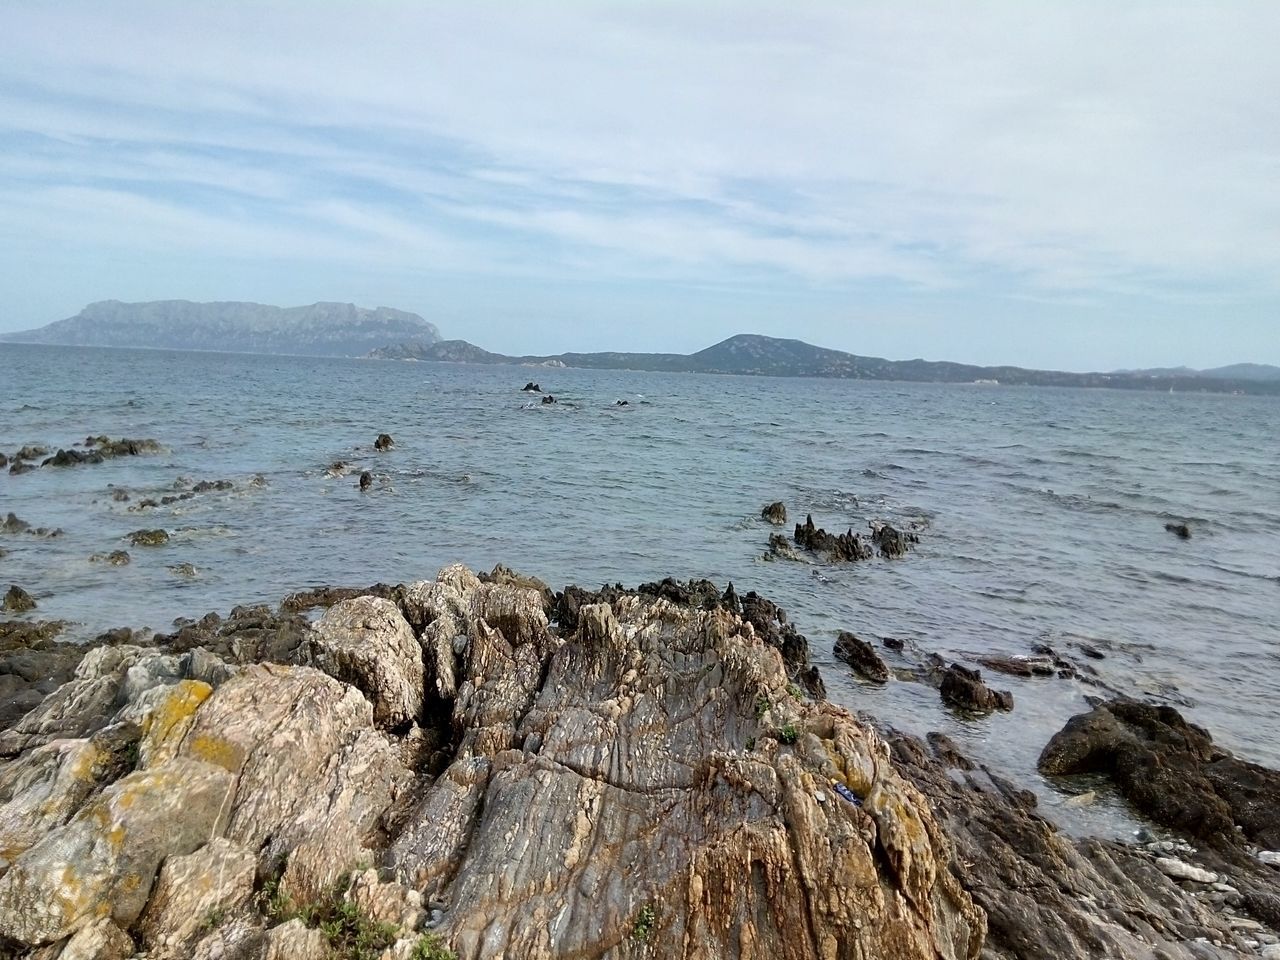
x=1074 y=151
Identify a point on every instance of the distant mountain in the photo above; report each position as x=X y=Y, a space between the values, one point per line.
x=1236 y=371
x=321 y=329
x=774 y=357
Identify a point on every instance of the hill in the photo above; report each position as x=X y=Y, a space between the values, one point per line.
x=757 y=355
x=321 y=329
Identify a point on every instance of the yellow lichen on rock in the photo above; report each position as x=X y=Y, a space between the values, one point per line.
x=164 y=728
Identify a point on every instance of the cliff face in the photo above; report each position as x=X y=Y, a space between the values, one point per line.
x=321 y=329
x=440 y=769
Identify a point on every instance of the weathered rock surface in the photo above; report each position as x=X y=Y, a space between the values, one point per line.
x=645 y=782
x=1046 y=896
x=860 y=655
x=1172 y=771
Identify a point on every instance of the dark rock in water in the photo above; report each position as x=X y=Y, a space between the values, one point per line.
x=384 y=442
x=1020 y=666
x=19 y=466
x=116 y=558
x=963 y=689
x=205 y=486
x=531 y=387
x=1179 y=529
x=1172 y=771
x=70 y=458
x=336 y=469
x=893 y=643
x=185 y=570
x=100 y=449
x=13 y=524
x=891 y=541
x=4 y=461
x=780 y=546
x=31 y=452
x=18 y=600
x=548 y=399
x=622 y=403
x=860 y=655
x=1046 y=895
x=775 y=513
x=366 y=480
x=149 y=538
x=120 y=495
x=846 y=547
x=32 y=665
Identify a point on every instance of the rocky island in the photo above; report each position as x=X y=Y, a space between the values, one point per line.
x=477 y=766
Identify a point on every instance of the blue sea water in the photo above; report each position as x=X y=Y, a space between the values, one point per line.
x=1042 y=510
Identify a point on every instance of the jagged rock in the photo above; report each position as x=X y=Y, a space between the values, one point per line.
x=780 y=546
x=1045 y=895
x=17 y=600
x=366 y=642
x=846 y=547
x=862 y=657
x=1180 y=530
x=531 y=387
x=502 y=574
x=1171 y=770
x=548 y=399
x=891 y=541
x=775 y=513
x=149 y=538
x=964 y=690
x=384 y=442
x=193 y=890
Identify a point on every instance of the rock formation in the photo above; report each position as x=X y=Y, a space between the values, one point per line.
x=451 y=770
x=775 y=513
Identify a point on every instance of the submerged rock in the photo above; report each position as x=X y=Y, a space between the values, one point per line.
x=149 y=538
x=384 y=442
x=1180 y=530
x=775 y=513
x=862 y=657
x=1172 y=771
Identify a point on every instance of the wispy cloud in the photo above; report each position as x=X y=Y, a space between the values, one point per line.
x=1077 y=154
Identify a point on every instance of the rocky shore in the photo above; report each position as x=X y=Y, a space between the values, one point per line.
x=478 y=766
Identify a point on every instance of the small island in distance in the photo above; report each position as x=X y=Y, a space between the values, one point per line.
x=343 y=329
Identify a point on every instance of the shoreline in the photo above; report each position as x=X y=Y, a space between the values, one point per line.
x=468 y=708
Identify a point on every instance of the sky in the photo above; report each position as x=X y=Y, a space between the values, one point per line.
x=1075 y=186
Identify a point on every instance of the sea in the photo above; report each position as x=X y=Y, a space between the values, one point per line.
x=1041 y=515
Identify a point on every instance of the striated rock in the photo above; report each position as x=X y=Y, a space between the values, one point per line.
x=149 y=538
x=295 y=941
x=101 y=940
x=775 y=513
x=963 y=689
x=1171 y=770
x=366 y=642
x=845 y=547
x=17 y=600
x=191 y=892
x=862 y=657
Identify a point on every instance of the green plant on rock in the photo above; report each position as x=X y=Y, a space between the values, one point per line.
x=789 y=734
x=795 y=691
x=645 y=920
x=762 y=706
x=431 y=947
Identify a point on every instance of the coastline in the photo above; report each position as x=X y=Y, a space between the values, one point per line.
x=662 y=759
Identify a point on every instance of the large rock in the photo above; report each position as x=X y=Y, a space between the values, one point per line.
x=367 y=642
x=838 y=548
x=103 y=862
x=192 y=893
x=1172 y=771
x=860 y=655
x=962 y=689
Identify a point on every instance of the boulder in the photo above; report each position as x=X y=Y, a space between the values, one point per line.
x=366 y=480
x=192 y=892
x=775 y=513
x=368 y=643
x=116 y=558
x=1172 y=771
x=101 y=940
x=384 y=442
x=17 y=600
x=149 y=538
x=842 y=548
x=860 y=655
x=1180 y=530
x=548 y=399
x=963 y=689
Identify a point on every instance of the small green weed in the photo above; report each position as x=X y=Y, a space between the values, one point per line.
x=430 y=947
x=795 y=691
x=789 y=734
x=762 y=706
x=645 y=920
